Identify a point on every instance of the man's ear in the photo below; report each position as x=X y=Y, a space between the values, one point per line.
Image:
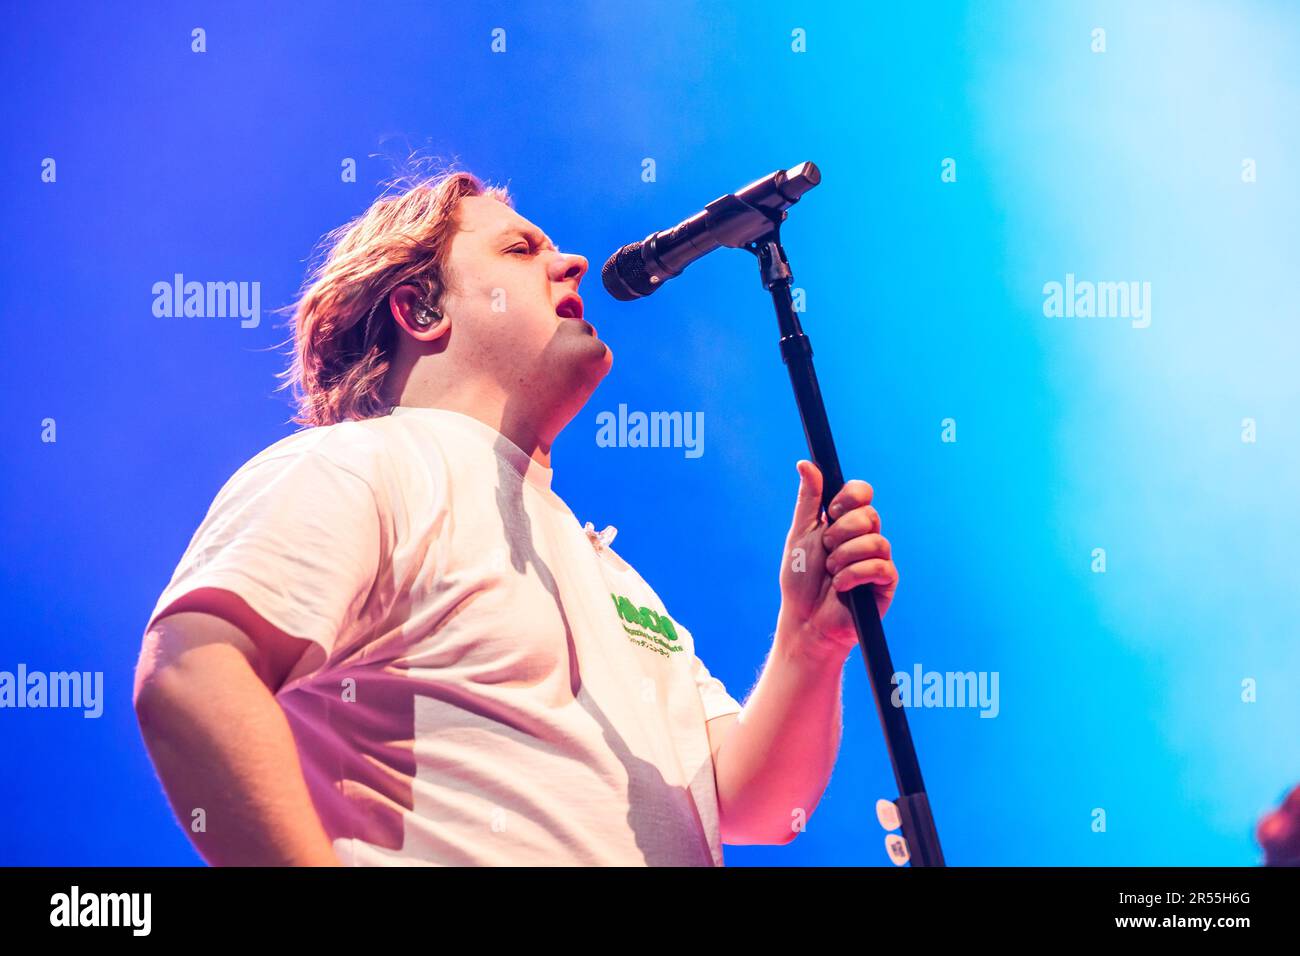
x=405 y=303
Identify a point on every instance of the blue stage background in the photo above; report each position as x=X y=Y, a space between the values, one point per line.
x=1119 y=691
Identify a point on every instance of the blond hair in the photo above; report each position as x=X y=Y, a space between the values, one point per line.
x=343 y=334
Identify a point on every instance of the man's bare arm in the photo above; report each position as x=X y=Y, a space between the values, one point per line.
x=774 y=760
x=204 y=698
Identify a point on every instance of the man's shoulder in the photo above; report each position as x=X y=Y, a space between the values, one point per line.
x=362 y=448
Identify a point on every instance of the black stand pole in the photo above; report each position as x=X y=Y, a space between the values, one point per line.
x=913 y=806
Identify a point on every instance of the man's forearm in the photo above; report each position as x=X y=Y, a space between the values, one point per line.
x=222 y=745
x=775 y=764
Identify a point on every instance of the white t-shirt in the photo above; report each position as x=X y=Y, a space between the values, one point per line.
x=493 y=685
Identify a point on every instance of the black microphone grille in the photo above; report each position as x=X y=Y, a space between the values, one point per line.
x=624 y=274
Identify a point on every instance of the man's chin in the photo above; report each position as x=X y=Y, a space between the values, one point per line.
x=596 y=362
x=588 y=366
x=577 y=356
x=591 y=349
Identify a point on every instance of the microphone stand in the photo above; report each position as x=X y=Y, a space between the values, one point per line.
x=922 y=840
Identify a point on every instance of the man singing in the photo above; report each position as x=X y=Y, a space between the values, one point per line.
x=390 y=642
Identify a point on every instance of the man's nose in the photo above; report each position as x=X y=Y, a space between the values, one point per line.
x=568 y=266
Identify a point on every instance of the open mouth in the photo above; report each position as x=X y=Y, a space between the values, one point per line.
x=570 y=307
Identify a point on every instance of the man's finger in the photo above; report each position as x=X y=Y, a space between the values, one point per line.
x=858 y=549
x=808 y=505
x=871 y=571
x=854 y=494
x=860 y=521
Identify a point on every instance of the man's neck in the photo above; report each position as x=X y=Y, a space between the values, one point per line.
x=503 y=413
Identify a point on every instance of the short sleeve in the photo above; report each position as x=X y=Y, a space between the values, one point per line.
x=713 y=693
x=297 y=537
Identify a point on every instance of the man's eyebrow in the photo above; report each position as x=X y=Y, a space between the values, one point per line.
x=539 y=237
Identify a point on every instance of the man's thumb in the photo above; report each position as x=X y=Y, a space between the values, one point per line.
x=808 y=506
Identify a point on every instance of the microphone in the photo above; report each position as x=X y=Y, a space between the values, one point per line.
x=733 y=220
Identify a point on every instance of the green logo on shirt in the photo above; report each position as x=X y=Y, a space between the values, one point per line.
x=647 y=624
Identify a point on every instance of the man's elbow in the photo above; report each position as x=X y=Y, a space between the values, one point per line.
x=735 y=832
x=148 y=676
x=156 y=677
x=159 y=690
x=181 y=660
x=748 y=817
